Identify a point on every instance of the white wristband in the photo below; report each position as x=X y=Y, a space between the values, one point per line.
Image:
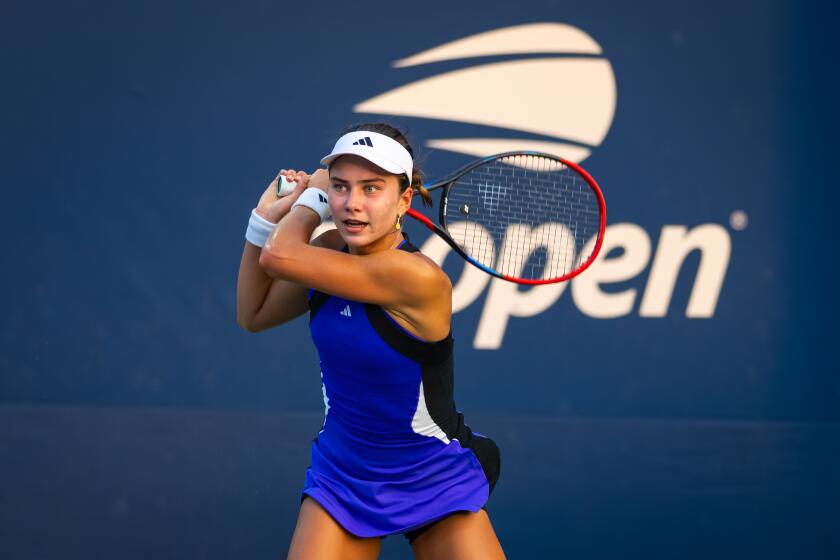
x=258 y=229
x=316 y=199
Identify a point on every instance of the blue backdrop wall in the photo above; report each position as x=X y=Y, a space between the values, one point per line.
x=677 y=400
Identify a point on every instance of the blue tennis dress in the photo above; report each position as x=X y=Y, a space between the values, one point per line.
x=394 y=453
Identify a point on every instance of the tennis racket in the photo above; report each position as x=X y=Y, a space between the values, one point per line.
x=545 y=214
x=284 y=186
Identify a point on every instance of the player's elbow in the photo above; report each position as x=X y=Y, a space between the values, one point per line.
x=248 y=327
x=246 y=322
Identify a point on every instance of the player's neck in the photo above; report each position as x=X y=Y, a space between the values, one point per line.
x=384 y=243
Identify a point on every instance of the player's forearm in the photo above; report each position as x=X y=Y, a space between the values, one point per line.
x=289 y=243
x=252 y=286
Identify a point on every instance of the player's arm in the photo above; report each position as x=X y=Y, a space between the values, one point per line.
x=263 y=302
x=254 y=289
x=386 y=278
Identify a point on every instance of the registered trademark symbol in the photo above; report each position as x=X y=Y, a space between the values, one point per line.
x=739 y=220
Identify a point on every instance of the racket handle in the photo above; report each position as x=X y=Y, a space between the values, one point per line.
x=285 y=187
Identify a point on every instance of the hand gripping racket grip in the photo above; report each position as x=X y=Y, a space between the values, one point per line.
x=285 y=187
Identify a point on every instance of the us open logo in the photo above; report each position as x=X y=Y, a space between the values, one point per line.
x=571 y=99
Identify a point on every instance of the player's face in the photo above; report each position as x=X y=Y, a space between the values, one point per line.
x=364 y=202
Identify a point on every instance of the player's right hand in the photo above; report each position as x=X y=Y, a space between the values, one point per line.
x=272 y=208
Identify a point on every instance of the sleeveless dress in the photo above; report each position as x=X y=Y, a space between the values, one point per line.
x=394 y=453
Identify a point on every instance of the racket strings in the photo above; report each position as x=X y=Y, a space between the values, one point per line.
x=524 y=216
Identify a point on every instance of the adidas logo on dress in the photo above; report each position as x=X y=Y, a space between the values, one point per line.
x=363 y=141
x=346 y=311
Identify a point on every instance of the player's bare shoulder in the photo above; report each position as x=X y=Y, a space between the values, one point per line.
x=430 y=271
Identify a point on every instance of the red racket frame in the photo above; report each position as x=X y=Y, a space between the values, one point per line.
x=440 y=231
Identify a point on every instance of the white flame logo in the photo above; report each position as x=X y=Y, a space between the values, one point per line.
x=570 y=98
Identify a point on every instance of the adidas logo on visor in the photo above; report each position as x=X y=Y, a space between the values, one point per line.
x=363 y=141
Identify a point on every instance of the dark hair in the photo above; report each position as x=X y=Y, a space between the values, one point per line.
x=396 y=134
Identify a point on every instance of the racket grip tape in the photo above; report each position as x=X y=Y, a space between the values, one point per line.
x=285 y=187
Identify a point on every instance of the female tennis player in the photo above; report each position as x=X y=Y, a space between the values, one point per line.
x=394 y=454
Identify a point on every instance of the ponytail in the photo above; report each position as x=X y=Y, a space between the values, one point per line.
x=417 y=182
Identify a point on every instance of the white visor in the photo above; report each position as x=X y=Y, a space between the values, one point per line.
x=377 y=148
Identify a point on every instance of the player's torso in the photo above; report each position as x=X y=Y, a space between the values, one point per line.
x=371 y=387
x=388 y=395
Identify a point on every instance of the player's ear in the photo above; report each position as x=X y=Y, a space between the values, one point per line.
x=405 y=199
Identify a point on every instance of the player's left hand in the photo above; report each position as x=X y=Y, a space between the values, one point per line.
x=320 y=179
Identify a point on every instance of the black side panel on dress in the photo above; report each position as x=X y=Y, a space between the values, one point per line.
x=438 y=391
x=488 y=455
x=316 y=302
x=427 y=353
x=422 y=352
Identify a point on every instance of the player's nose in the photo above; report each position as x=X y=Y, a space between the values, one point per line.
x=354 y=199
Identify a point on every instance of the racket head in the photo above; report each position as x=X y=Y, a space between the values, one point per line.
x=527 y=217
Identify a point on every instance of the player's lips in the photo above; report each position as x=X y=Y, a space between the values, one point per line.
x=355 y=226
